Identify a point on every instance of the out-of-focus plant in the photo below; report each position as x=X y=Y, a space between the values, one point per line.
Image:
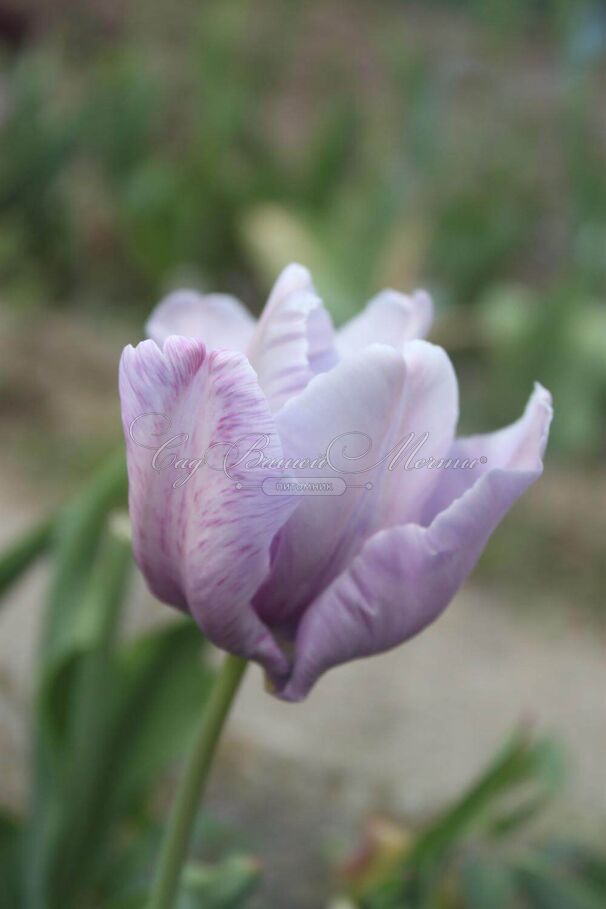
x=117 y=178
x=111 y=714
x=480 y=228
x=37 y=141
x=481 y=852
x=562 y=334
x=134 y=191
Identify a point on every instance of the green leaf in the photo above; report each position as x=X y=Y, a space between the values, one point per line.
x=132 y=901
x=487 y=884
x=520 y=766
x=71 y=730
x=111 y=717
x=545 y=887
x=160 y=682
x=592 y=869
x=78 y=535
x=10 y=860
x=88 y=713
x=579 y=861
x=69 y=632
x=225 y=886
x=163 y=680
x=520 y=762
x=332 y=149
x=18 y=557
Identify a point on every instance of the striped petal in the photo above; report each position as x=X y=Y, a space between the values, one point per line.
x=294 y=338
x=405 y=576
x=203 y=544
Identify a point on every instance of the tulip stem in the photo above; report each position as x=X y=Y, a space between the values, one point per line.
x=193 y=783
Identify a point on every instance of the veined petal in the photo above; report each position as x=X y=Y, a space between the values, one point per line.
x=389 y=318
x=404 y=577
x=203 y=544
x=294 y=337
x=216 y=319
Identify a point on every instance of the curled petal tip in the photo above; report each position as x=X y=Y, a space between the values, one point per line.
x=538 y=416
x=297 y=273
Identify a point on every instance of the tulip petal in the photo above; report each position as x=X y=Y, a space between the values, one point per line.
x=404 y=577
x=486 y=451
x=344 y=412
x=389 y=318
x=294 y=338
x=359 y=412
x=426 y=426
x=216 y=319
x=204 y=544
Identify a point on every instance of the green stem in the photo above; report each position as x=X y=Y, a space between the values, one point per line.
x=193 y=783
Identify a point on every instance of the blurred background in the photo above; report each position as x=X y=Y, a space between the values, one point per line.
x=459 y=147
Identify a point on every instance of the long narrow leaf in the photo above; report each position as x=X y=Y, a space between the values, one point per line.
x=18 y=557
x=520 y=762
x=160 y=682
x=78 y=536
x=89 y=715
x=64 y=637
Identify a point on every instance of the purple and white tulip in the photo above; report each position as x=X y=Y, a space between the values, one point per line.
x=301 y=583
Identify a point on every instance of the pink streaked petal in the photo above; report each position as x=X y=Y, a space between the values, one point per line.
x=294 y=338
x=217 y=319
x=204 y=545
x=404 y=577
x=389 y=318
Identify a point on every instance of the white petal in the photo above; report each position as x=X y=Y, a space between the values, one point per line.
x=390 y=318
x=217 y=319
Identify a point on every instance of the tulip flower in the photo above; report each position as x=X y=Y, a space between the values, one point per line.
x=300 y=583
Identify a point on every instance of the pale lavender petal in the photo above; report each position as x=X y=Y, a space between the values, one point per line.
x=217 y=319
x=485 y=452
x=294 y=339
x=352 y=406
x=366 y=409
x=204 y=544
x=390 y=318
x=404 y=577
x=424 y=429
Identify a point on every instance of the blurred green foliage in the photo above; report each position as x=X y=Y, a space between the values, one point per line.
x=481 y=852
x=458 y=145
x=111 y=714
